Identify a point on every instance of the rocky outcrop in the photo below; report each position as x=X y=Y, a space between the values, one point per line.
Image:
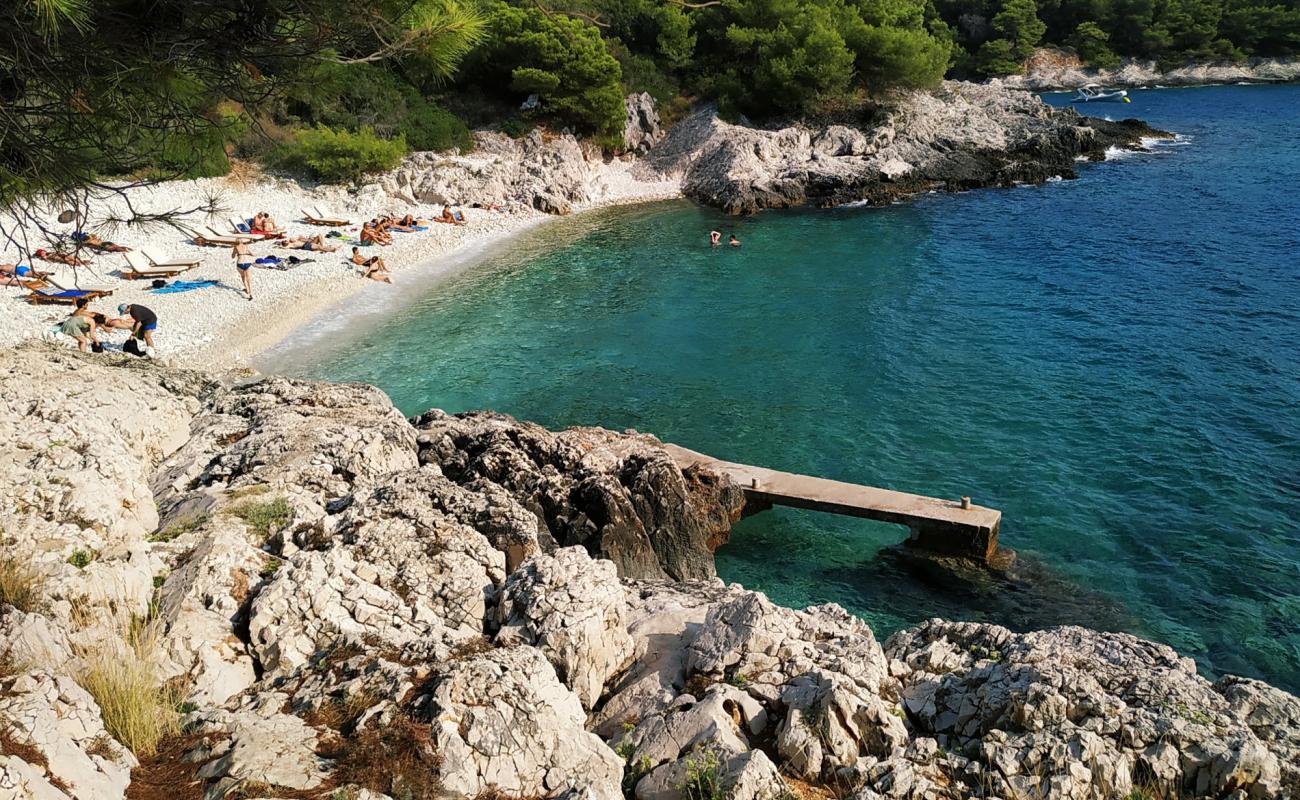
x=642 y=130
x=963 y=136
x=1054 y=68
x=361 y=605
x=620 y=496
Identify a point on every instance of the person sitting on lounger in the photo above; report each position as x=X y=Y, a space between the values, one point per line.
x=313 y=244
x=61 y=258
x=81 y=326
x=265 y=223
x=375 y=268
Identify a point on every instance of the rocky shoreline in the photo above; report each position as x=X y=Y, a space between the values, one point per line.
x=344 y=603
x=1052 y=68
x=959 y=137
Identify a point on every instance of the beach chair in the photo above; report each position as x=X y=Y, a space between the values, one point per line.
x=210 y=238
x=138 y=267
x=56 y=296
x=158 y=259
x=66 y=281
x=319 y=216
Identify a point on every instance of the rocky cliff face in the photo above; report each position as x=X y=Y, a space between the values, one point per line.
x=357 y=605
x=962 y=136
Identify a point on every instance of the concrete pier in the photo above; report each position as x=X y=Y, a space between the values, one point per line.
x=951 y=527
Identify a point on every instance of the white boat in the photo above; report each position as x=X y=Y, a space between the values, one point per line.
x=1093 y=93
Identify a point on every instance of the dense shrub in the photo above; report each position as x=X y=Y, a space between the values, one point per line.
x=342 y=156
x=355 y=96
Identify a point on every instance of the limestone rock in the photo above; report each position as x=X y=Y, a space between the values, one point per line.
x=747 y=635
x=572 y=609
x=1037 y=705
x=503 y=720
x=620 y=496
x=200 y=604
x=960 y=136
x=260 y=748
x=642 y=130
x=395 y=571
x=59 y=722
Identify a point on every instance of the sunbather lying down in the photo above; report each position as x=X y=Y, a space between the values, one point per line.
x=55 y=257
x=101 y=244
x=315 y=244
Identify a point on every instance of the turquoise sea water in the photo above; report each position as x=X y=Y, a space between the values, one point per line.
x=1114 y=362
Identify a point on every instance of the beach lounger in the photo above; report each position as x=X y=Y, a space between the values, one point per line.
x=159 y=259
x=210 y=238
x=138 y=267
x=63 y=296
x=66 y=281
x=319 y=216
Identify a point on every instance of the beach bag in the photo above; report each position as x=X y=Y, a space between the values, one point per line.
x=132 y=346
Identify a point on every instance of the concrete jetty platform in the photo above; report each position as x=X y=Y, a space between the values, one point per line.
x=942 y=526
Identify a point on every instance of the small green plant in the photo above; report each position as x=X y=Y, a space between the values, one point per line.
x=703 y=777
x=160 y=579
x=1140 y=793
x=21 y=586
x=738 y=680
x=180 y=527
x=81 y=558
x=271 y=567
x=264 y=518
x=635 y=769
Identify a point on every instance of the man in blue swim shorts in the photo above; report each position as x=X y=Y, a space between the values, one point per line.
x=143 y=321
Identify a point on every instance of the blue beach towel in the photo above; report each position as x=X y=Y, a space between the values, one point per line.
x=268 y=260
x=185 y=286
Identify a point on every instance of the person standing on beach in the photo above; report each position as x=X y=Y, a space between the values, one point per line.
x=243 y=255
x=715 y=237
x=143 y=321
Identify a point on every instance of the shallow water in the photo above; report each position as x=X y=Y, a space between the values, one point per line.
x=1114 y=362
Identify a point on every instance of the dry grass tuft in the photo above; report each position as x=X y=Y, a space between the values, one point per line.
x=21 y=586
x=138 y=709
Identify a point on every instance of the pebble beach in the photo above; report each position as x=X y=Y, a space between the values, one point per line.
x=216 y=326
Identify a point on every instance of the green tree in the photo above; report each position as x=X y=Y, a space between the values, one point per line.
x=1093 y=46
x=560 y=59
x=1019 y=24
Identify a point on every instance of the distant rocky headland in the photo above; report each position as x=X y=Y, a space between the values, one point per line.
x=1054 y=68
x=244 y=586
x=962 y=136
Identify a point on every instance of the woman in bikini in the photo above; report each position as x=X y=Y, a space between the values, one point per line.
x=243 y=256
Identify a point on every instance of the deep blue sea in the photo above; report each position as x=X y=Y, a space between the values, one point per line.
x=1112 y=361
